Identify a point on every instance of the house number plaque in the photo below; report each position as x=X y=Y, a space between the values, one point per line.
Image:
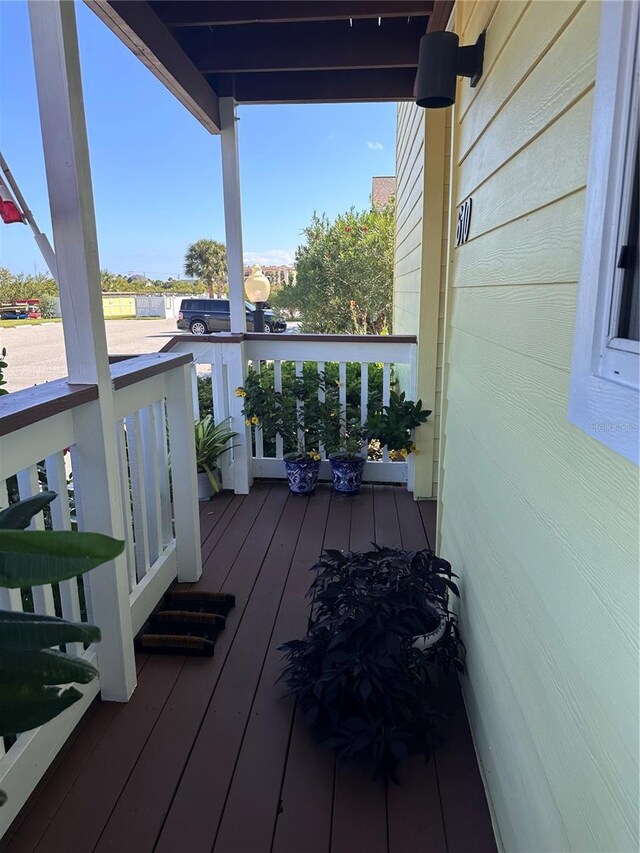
x=464 y=221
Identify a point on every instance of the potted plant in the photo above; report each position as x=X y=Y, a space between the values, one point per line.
x=393 y=427
x=276 y=414
x=365 y=687
x=347 y=459
x=302 y=468
x=212 y=440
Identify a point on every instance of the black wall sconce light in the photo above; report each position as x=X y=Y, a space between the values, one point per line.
x=440 y=61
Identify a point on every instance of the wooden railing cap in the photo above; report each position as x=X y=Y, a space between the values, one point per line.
x=227 y=338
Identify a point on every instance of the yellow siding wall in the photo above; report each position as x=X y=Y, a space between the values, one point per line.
x=421 y=222
x=540 y=520
x=119 y=306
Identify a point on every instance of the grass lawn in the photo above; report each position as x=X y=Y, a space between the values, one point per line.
x=7 y=324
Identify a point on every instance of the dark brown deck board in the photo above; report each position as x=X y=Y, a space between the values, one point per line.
x=257 y=780
x=211 y=512
x=415 y=813
x=307 y=790
x=32 y=822
x=208 y=756
x=428 y=512
x=464 y=805
x=221 y=526
x=411 y=522
x=387 y=526
x=78 y=823
x=233 y=539
x=359 y=806
x=200 y=797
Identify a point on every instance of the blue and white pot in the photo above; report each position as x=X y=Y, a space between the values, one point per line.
x=302 y=476
x=347 y=473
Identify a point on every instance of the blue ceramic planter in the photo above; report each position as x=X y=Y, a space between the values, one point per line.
x=347 y=474
x=302 y=476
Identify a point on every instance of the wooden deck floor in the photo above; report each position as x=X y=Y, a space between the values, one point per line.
x=209 y=756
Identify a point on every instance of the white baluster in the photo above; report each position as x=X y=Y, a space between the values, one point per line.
x=257 y=432
x=277 y=384
x=386 y=394
x=364 y=397
x=61 y=520
x=321 y=398
x=28 y=485
x=220 y=386
x=342 y=393
x=151 y=482
x=136 y=472
x=299 y=403
x=179 y=407
x=162 y=449
x=127 y=509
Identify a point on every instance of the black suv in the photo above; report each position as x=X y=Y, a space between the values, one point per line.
x=201 y=316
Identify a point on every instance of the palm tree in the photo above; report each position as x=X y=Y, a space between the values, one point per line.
x=207 y=260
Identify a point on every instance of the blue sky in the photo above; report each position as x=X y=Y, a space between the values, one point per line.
x=156 y=172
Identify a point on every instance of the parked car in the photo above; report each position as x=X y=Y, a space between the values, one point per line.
x=201 y=316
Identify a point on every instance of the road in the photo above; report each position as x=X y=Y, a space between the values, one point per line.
x=36 y=354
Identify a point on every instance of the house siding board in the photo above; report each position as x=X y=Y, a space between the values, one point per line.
x=540 y=520
x=419 y=254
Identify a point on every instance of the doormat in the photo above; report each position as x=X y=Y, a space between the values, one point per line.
x=185 y=622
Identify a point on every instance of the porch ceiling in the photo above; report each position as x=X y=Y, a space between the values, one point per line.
x=276 y=52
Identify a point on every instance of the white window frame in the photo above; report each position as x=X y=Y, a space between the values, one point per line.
x=604 y=398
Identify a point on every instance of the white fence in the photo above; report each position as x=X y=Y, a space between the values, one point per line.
x=226 y=359
x=41 y=448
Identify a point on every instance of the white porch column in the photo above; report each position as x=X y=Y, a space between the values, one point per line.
x=237 y=362
x=232 y=213
x=64 y=136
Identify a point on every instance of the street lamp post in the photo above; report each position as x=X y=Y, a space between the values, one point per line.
x=257 y=288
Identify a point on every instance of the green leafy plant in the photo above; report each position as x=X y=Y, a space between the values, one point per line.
x=35 y=678
x=308 y=406
x=212 y=440
x=393 y=426
x=344 y=281
x=365 y=687
x=302 y=455
x=205 y=396
x=344 y=438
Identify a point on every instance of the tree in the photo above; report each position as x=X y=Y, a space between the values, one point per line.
x=21 y=286
x=207 y=261
x=344 y=278
x=111 y=282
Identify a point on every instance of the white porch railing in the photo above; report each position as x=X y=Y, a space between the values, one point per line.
x=225 y=359
x=40 y=447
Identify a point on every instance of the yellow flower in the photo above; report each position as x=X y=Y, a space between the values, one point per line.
x=247 y=422
x=255 y=419
x=393 y=455
x=240 y=392
x=404 y=453
x=315 y=457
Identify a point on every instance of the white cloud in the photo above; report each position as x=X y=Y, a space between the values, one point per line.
x=375 y=146
x=271 y=258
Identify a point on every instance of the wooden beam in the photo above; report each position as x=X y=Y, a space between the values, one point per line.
x=326 y=45
x=440 y=17
x=392 y=84
x=198 y=13
x=140 y=29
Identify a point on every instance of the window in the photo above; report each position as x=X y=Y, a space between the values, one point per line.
x=605 y=377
